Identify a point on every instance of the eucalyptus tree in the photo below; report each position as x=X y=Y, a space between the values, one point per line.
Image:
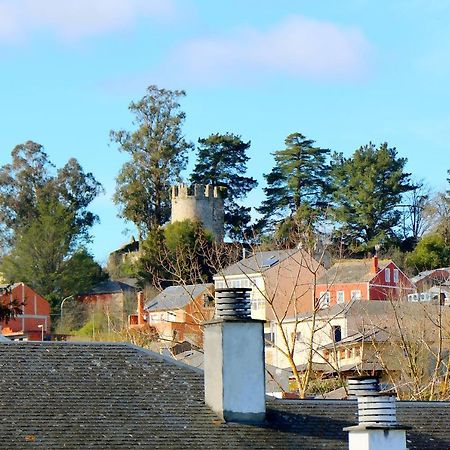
x=158 y=153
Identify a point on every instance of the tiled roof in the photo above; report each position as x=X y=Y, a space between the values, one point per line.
x=351 y=271
x=110 y=287
x=176 y=296
x=116 y=396
x=258 y=263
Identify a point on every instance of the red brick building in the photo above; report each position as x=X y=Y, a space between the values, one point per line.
x=35 y=318
x=369 y=279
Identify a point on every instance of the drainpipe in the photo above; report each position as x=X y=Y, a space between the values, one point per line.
x=234 y=359
x=377 y=427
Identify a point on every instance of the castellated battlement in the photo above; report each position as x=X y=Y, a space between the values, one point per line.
x=198 y=191
x=199 y=202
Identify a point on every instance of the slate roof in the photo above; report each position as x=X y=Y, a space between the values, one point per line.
x=351 y=271
x=257 y=262
x=110 y=287
x=116 y=396
x=175 y=297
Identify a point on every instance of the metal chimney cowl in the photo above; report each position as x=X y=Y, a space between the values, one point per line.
x=234 y=359
x=378 y=428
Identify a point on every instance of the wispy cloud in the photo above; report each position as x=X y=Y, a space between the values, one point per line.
x=297 y=46
x=75 y=19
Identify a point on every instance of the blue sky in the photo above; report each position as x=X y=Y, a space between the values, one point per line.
x=342 y=73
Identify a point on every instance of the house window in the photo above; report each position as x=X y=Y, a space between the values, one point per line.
x=395 y=275
x=336 y=333
x=387 y=275
x=324 y=299
x=356 y=294
x=296 y=337
x=268 y=339
x=220 y=284
x=258 y=303
x=340 y=296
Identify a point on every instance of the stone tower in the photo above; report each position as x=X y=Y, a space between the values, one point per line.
x=199 y=202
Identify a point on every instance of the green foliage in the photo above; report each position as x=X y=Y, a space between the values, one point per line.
x=176 y=253
x=368 y=188
x=298 y=185
x=44 y=255
x=222 y=161
x=431 y=252
x=158 y=153
x=29 y=180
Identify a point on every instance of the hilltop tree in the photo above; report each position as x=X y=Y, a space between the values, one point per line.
x=298 y=185
x=46 y=255
x=367 y=190
x=222 y=161
x=177 y=253
x=43 y=217
x=158 y=152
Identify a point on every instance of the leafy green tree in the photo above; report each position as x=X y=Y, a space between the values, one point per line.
x=367 y=190
x=46 y=257
x=222 y=161
x=30 y=179
x=431 y=252
x=45 y=220
x=298 y=185
x=177 y=253
x=158 y=152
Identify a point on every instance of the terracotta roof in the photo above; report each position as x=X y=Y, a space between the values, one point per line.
x=351 y=271
x=177 y=296
x=98 y=396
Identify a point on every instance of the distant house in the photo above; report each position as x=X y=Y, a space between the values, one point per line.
x=429 y=278
x=281 y=281
x=358 y=337
x=34 y=322
x=111 y=295
x=178 y=311
x=366 y=279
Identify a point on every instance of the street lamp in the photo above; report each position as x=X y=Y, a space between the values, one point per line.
x=42 y=332
x=62 y=303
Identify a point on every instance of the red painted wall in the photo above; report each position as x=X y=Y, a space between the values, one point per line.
x=388 y=288
x=36 y=311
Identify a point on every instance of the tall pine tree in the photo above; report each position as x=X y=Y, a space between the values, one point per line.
x=222 y=161
x=298 y=185
x=368 y=187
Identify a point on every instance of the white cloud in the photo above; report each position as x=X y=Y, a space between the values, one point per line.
x=75 y=19
x=297 y=46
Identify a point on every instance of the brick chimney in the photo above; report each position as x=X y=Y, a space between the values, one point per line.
x=234 y=359
x=375 y=264
x=140 y=308
x=378 y=428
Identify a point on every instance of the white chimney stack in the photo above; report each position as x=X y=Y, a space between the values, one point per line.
x=377 y=428
x=234 y=359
